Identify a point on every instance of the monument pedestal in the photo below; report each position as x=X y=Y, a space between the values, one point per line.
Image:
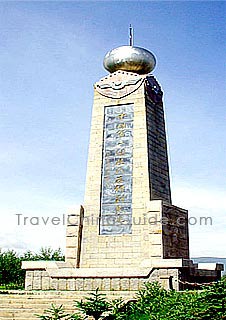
x=123 y=270
x=177 y=274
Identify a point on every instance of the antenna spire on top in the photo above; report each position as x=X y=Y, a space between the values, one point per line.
x=130 y=35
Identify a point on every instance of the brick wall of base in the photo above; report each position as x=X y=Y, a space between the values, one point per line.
x=170 y=278
x=40 y=280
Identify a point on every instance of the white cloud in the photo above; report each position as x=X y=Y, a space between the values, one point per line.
x=204 y=198
x=205 y=240
x=21 y=232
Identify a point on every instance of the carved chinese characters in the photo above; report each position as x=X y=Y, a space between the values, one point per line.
x=116 y=197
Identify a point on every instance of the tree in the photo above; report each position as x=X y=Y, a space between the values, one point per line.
x=10 y=268
x=11 y=274
x=95 y=305
x=50 y=254
x=44 y=254
x=57 y=313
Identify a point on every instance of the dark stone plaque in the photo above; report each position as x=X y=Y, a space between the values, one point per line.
x=117 y=169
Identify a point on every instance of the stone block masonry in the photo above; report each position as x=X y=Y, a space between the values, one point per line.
x=170 y=273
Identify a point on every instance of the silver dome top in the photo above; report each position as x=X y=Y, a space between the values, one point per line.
x=129 y=58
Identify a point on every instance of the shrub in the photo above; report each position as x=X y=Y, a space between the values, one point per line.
x=57 y=313
x=11 y=274
x=94 y=305
x=212 y=301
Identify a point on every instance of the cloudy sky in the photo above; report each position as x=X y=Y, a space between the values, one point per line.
x=51 y=53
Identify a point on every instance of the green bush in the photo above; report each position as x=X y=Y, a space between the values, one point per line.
x=11 y=274
x=212 y=301
x=57 y=313
x=156 y=303
x=94 y=305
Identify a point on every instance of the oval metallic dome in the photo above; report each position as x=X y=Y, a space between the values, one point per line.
x=128 y=58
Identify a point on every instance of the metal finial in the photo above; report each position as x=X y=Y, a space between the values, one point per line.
x=130 y=35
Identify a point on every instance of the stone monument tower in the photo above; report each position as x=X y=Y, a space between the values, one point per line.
x=127 y=231
x=129 y=218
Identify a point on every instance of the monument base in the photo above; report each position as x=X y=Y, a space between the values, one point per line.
x=156 y=256
x=177 y=274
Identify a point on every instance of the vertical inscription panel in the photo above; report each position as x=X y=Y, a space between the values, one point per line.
x=117 y=170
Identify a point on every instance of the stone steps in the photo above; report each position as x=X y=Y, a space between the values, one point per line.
x=23 y=305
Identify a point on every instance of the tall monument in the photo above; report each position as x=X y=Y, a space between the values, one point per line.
x=127 y=231
x=128 y=185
